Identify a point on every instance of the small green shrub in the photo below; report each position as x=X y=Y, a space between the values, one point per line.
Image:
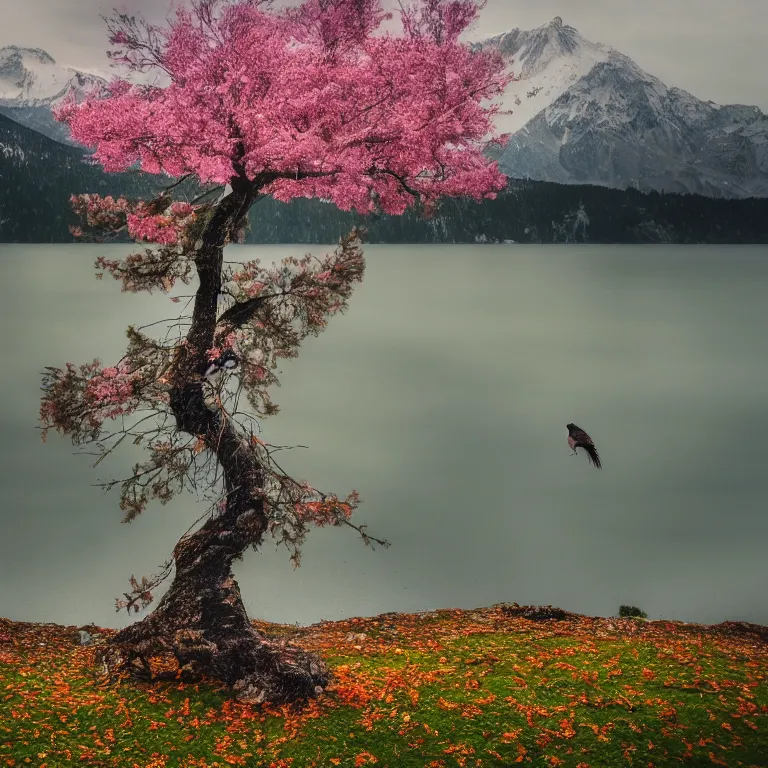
x=630 y=611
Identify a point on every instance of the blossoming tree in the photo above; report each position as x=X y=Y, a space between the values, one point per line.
x=310 y=101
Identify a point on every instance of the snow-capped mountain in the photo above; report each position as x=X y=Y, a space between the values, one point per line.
x=584 y=113
x=31 y=82
x=546 y=61
x=578 y=112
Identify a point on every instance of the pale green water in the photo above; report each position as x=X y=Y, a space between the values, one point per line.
x=442 y=396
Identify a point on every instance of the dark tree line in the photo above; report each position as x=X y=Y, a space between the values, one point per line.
x=38 y=175
x=530 y=212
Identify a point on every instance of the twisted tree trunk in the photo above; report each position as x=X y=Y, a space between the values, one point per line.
x=201 y=619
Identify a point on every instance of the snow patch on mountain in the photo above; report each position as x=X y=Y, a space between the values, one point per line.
x=11 y=151
x=546 y=61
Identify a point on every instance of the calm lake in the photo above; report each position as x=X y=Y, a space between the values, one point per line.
x=442 y=397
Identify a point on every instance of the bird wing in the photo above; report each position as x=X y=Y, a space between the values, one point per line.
x=581 y=437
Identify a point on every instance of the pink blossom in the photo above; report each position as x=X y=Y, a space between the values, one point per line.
x=309 y=97
x=113 y=386
x=254 y=289
x=227 y=343
x=110 y=214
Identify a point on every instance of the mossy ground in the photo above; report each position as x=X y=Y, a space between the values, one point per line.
x=442 y=689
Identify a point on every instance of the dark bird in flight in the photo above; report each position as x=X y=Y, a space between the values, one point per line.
x=578 y=438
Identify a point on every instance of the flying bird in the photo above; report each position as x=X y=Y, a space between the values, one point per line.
x=578 y=438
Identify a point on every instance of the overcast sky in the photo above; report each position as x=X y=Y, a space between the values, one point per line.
x=442 y=397
x=714 y=49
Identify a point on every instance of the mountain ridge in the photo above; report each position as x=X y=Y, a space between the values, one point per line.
x=577 y=111
x=31 y=82
x=591 y=115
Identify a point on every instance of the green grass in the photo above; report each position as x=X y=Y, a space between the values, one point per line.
x=450 y=688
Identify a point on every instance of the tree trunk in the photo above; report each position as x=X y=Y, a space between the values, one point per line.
x=201 y=619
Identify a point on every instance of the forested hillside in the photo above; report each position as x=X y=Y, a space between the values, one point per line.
x=38 y=175
x=531 y=212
